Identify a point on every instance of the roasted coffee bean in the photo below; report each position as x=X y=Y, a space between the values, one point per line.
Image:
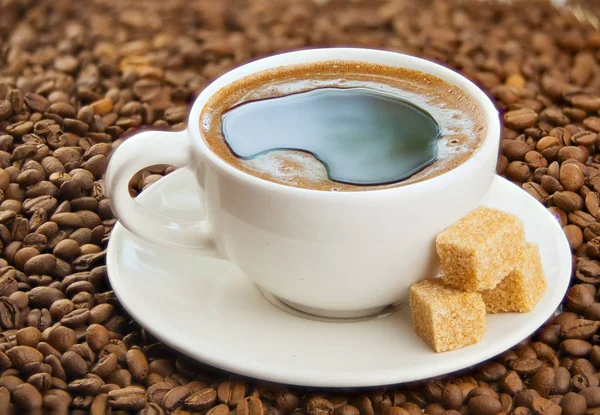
x=581 y=366
x=571 y=177
x=417 y=401
x=250 y=406
x=484 y=405
x=119 y=349
x=57 y=370
x=545 y=406
x=452 y=396
x=41 y=381
x=525 y=366
x=526 y=398
x=10 y=316
x=550 y=334
x=121 y=377
x=579 y=329
x=579 y=298
x=562 y=381
x=29 y=336
x=353 y=410
x=87 y=386
x=582 y=381
x=511 y=383
x=10 y=381
x=202 y=400
x=83 y=300
x=8 y=285
x=591 y=396
x=5 y=109
x=581 y=218
x=47 y=350
x=380 y=402
x=157 y=392
x=196 y=385
x=515 y=150
x=535 y=190
x=520 y=119
x=41 y=319
x=543 y=381
x=5 y=362
x=76 y=318
x=99 y=405
x=61 y=308
x=592 y=204
x=506 y=402
x=231 y=392
x=23 y=355
x=43 y=297
x=491 y=371
x=585 y=138
x=573 y=404
x=588 y=272
x=287 y=402
x=61 y=338
x=131 y=398
x=137 y=364
x=105 y=365
x=78 y=287
x=33 y=368
x=319 y=406
x=83 y=350
x=74 y=365
x=66 y=249
x=80 y=219
x=27 y=398
x=434 y=409
x=433 y=390
x=221 y=409
x=175 y=397
x=101 y=313
x=577 y=348
x=518 y=171
x=82 y=402
x=568 y=201
x=592 y=312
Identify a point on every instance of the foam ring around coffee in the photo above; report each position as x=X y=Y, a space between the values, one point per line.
x=383 y=126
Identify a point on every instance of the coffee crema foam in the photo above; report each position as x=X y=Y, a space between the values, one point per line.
x=461 y=122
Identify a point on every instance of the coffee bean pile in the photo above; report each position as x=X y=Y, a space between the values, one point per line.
x=76 y=78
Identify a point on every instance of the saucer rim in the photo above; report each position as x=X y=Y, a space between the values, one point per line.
x=348 y=378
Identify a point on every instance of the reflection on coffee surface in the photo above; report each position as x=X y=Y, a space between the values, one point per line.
x=361 y=136
x=342 y=125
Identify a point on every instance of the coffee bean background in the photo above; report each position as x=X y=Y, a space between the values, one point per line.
x=76 y=78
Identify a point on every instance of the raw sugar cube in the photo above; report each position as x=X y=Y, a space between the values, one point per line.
x=521 y=290
x=479 y=250
x=446 y=318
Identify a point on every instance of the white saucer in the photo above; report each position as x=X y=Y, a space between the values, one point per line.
x=205 y=308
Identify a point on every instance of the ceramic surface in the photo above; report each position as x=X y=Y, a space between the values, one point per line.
x=206 y=308
x=328 y=253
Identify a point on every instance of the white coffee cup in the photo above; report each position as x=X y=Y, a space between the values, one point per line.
x=331 y=254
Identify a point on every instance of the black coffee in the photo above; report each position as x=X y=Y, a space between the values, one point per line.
x=342 y=126
x=362 y=136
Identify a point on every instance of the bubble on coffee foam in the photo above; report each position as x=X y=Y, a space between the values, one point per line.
x=288 y=165
x=206 y=120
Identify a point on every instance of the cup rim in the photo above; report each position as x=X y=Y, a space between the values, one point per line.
x=490 y=114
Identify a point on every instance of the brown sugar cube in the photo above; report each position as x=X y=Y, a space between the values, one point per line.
x=479 y=250
x=521 y=290
x=446 y=318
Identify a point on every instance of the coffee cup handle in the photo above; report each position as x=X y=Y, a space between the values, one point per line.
x=142 y=150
